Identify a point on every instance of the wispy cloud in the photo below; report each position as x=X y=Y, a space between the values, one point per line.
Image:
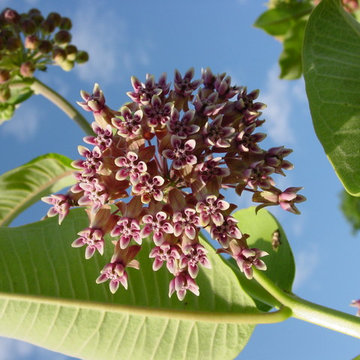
x=111 y=46
x=23 y=125
x=306 y=263
x=278 y=99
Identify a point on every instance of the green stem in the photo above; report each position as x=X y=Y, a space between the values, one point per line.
x=40 y=88
x=213 y=317
x=310 y=312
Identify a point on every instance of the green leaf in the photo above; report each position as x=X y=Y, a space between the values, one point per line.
x=280 y=261
x=18 y=95
x=279 y=20
x=350 y=206
x=290 y=59
x=24 y=185
x=48 y=297
x=331 y=58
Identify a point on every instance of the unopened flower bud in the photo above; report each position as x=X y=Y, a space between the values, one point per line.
x=31 y=42
x=71 y=52
x=82 y=57
x=55 y=18
x=67 y=65
x=36 y=17
x=59 y=55
x=45 y=46
x=4 y=75
x=28 y=26
x=27 y=69
x=5 y=94
x=11 y=16
x=13 y=44
x=47 y=27
x=65 y=24
x=62 y=37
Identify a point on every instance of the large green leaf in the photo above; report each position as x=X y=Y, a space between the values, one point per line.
x=331 y=58
x=280 y=19
x=280 y=261
x=48 y=297
x=24 y=185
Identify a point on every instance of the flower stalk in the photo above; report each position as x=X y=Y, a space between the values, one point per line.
x=40 y=88
x=311 y=312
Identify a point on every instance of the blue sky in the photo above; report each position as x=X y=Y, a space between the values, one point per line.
x=127 y=38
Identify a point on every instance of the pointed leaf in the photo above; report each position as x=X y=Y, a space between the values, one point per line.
x=279 y=20
x=280 y=262
x=332 y=75
x=26 y=184
x=48 y=296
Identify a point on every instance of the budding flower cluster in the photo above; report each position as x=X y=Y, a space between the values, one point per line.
x=30 y=42
x=173 y=151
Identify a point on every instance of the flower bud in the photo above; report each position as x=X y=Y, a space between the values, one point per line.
x=11 y=16
x=62 y=37
x=28 y=26
x=45 y=46
x=67 y=65
x=37 y=18
x=31 y=42
x=27 y=69
x=4 y=94
x=55 y=18
x=47 y=27
x=4 y=75
x=13 y=44
x=65 y=24
x=82 y=57
x=59 y=55
x=71 y=52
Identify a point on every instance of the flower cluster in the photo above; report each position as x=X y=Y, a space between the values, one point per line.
x=30 y=42
x=173 y=151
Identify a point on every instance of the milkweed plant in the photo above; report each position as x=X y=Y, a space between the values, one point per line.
x=151 y=185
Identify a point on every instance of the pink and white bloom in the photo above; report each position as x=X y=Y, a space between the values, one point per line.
x=93 y=239
x=181 y=152
x=193 y=255
x=130 y=167
x=158 y=226
x=60 y=205
x=181 y=284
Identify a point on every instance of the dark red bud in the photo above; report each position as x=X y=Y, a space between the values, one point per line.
x=13 y=44
x=4 y=75
x=45 y=46
x=27 y=69
x=62 y=37
x=65 y=24
x=55 y=18
x=47 y=27
x=11 y=16
x=59 y=55
x=71 y=52
x=5 y=94
x=28 y=26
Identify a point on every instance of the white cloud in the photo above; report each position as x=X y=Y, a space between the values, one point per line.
x=111 y=46
x=277 y=98
x=23 y=125
x=306 y=263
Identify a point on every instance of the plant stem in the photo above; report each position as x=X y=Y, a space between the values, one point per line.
x=40 y=88
x=311 y=312
x=204 y=316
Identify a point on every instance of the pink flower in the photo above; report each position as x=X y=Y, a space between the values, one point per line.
x=181 y=153
x=93 y=239
x=181 y=284
x=148 y=188
x=129 y=123
x=192 y=256
x=157 y=113
x=247 y=258
x=60 y=205
x=216 y=134
x=182 y=128
x=167 y=253
x=186 y=222
x=130 y=167
x=183 y=85
x=158 y=225
x=225 y=232
x=127 y=229
x=103 y=140
x=211 y=210
x=93 y=163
